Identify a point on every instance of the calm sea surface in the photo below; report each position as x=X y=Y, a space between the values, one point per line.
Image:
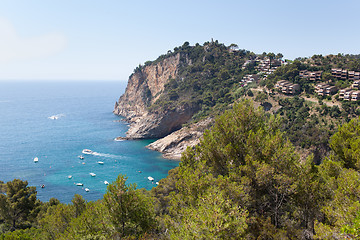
x=84 y=121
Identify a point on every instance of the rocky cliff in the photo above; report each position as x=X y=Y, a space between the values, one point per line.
x=144 y=88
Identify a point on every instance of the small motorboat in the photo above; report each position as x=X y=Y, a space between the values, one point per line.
x=69 y=177
x=106 y=182
x=81 y=157
x=87 y=190
x=36 y=159
x=79 y=184
x=87 y=151
x=100 y=162
x=43 y=186
x=92 y=174
x=151 y=178
x=157 y=183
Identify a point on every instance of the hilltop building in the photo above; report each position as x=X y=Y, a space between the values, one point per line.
x=287 y=87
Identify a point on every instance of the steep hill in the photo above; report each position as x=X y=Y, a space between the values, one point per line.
x=187 y=85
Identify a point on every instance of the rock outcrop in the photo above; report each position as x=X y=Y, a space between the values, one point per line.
x=174 y=144
x=144 y=87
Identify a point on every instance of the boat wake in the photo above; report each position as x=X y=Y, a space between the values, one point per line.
x=107 y=155
x=57 y=116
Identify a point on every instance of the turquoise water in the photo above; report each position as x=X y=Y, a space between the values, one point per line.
x=85 y=121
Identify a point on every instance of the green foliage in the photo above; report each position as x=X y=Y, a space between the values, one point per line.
x=93 y=223
x=23 y=234
x=352 y=231
x=131 y=210
x=17 y=204
x=302 y=129
x=207 y=84
x=346 y=144
x=213 y=215
x=261 y=97
x=79 y=204
x=341 y=191
x=246 y=150
x=56 y=220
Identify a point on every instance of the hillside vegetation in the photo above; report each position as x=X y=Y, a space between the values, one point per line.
x=209 y=80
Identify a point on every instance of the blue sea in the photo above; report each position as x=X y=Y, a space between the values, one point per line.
x=83 y=120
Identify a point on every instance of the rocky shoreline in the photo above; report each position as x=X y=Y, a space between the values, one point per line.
x=174 y=144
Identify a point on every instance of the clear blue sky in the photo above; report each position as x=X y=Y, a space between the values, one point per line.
x=106 y=40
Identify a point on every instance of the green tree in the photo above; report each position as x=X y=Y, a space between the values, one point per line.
x=17 y=203
x=279 y=56
x=212 y=216
x=93 y=223
x=342 y=204
x=79 y=204
x=23 y=234
x=131 y=211
x=346 y=144
x=340 y=174
x=246 y=147
x=271 y=57
x=233 y=46
x=261 y=97
x=56 y=220
x=309 y=196
x=327 y=77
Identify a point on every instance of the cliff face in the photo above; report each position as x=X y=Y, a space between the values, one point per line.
x=144 y=88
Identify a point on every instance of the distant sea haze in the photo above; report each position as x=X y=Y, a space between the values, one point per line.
x=55 y=121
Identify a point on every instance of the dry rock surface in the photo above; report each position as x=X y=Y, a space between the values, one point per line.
x=174 y=144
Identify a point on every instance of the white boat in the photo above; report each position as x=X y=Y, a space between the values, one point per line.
x=92 y=174
x=100 y=162
x=53 y=117
x=151 y=178
x=86 y=189
x=87 y=151
x=36 y=159
x=81 y=157
x=157 y=183
x=106 y=182
x=79 y=184
x=69 y=177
